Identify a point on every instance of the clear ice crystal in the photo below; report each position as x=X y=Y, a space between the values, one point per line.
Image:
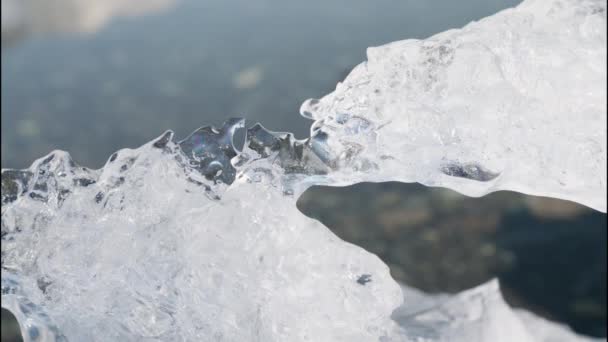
x=195 y=240
x=520 y=94
x=181 y=266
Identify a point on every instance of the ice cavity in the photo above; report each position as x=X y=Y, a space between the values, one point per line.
x=156 y=246
x=194 y=240
x=516 y=101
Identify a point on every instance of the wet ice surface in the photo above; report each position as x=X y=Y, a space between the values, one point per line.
x=198 y=259
x=183 y=265
x=479 y=314
x=514 y=101
x=195 y=240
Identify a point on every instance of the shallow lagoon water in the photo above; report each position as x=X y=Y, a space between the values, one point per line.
x=201 y=62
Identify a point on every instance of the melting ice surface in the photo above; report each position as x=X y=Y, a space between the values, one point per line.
x=193 y=240
x=515 y=101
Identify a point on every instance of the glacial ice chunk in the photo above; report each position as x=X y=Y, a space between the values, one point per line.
x=141 y=251
x=515 y=101
x=479 y=314
x=151 y=248
x=194 y=240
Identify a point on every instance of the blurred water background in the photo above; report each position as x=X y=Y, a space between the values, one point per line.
x=93 y=76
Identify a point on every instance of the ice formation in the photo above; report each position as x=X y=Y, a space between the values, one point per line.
x=194 y=240
x=516 y=101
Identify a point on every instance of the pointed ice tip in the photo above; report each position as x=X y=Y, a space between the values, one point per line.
x=210 y=150
x=257 y=126
x=54 y=158
x=233 y=123
x=164 y=139
x=229 y=129
x=493 y=284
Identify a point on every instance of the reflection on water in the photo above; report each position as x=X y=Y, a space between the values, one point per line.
x=21 y=18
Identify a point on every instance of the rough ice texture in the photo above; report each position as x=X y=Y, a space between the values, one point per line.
x=156 y=247
x=194 y=241
x=515 y=101
x=479 y=314
x=142 y=249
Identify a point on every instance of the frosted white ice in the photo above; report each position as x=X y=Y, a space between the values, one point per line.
x=170 y=242
x=521 y=94
x=479 y=314
x=157 y=259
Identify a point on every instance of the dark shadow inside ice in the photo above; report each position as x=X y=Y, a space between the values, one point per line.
x=469 y=171
x=10 y=327
x=549 y=254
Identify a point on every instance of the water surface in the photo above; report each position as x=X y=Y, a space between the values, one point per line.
x=91 y=79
